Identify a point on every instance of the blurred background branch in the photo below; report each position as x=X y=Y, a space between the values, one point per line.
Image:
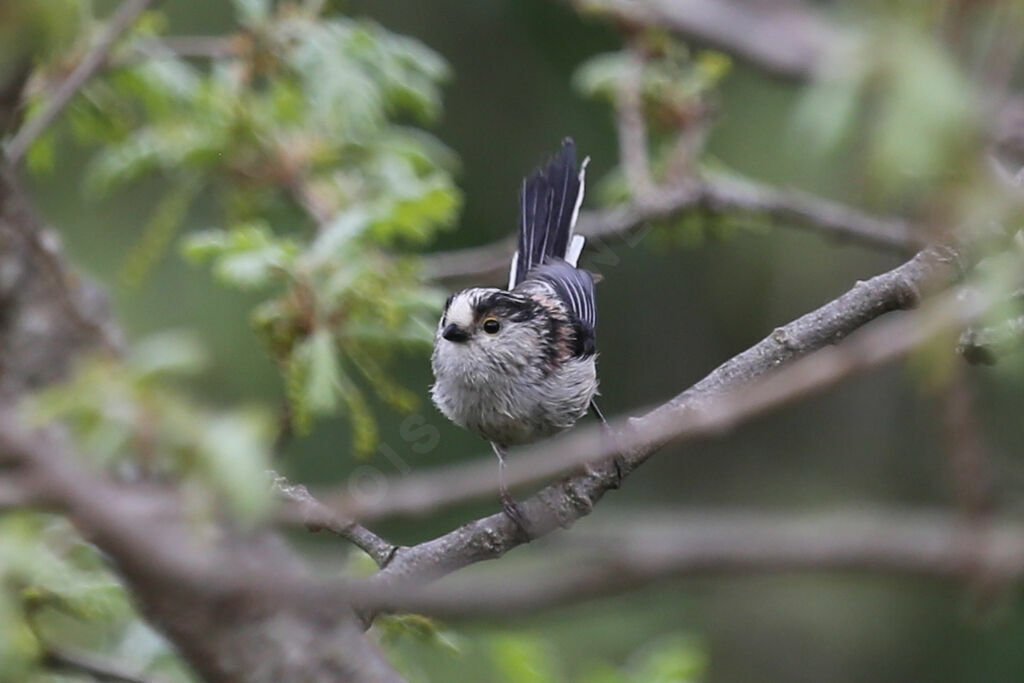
x=928 y=544
x=724 y=195
x=787 y=39
x=91 y=63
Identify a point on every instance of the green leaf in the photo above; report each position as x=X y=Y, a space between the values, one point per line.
x=600 y=76
x=252 y=11
x=167 y=353
x=670 y=659
x=323 y=379
x=247 y=256
x=523 y=659
x=41 y=155
x=158 y=233
x=393 y=627
x=235 y=453
x=927 y=119
x=19 y=648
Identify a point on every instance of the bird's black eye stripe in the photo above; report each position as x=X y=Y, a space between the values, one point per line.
x=508 y=307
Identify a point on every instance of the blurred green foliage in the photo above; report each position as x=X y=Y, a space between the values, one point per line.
x=57 y=591
x=301 y=133
x=904 y=97
x=523 y=657
x=677 y=88
x=124 y=414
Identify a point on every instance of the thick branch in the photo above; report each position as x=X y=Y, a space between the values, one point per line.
x=50 y=312
x=92 y=62
x=560 y=505
x=215 y=599
x=717 y=196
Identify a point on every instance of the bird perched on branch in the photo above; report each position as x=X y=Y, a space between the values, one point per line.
x=517 y=365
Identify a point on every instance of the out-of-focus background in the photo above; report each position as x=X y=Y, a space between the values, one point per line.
x=669 y=312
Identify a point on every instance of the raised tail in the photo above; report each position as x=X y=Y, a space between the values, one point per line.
x=549 y=204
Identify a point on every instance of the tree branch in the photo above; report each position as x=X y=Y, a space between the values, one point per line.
x=315 y=516
x=50 y=312
x=716 y=196
x=13 y=494
x=632 y=128
x=701 y=543
x=561 y=504
x=216 y=599
x=788 y=40
x=91 y=63
x=969 y=466
x=185 y=47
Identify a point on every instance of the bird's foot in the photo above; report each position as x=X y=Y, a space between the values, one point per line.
x=515 y=513
x=620 y=471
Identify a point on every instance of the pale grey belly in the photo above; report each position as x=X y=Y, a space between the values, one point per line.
x=511 y=411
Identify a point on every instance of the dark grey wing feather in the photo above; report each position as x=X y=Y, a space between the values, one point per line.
x=575 y=288
x=547 y=208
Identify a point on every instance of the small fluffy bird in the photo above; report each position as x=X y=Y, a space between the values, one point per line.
x=518 y=365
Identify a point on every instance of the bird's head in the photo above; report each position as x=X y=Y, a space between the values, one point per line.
x=487 y=318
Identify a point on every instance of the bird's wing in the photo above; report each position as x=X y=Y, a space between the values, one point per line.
x=575 y=288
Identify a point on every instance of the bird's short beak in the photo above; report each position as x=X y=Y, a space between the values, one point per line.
x=454 y=333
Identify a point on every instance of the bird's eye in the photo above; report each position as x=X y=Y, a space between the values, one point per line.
x=491 y=326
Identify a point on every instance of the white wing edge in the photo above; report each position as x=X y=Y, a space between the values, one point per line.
x=572 y=254
x=512 y=270
x=576 y=242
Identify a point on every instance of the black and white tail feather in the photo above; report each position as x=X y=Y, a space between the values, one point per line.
x=548 y=251
x=549 y=206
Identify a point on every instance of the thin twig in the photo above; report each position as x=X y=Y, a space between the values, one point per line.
x=968 y=460
x=13 y=494
x=183 y=47
x=715 y=196
x=43 y=245
x=92 y=62
x=316 y=516
x=632 y=128
x=306 y=198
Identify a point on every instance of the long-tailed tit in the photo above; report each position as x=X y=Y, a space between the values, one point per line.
x=518 y=365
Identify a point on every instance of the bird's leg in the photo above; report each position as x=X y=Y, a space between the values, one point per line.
x=508 y=503
x=617 y=460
